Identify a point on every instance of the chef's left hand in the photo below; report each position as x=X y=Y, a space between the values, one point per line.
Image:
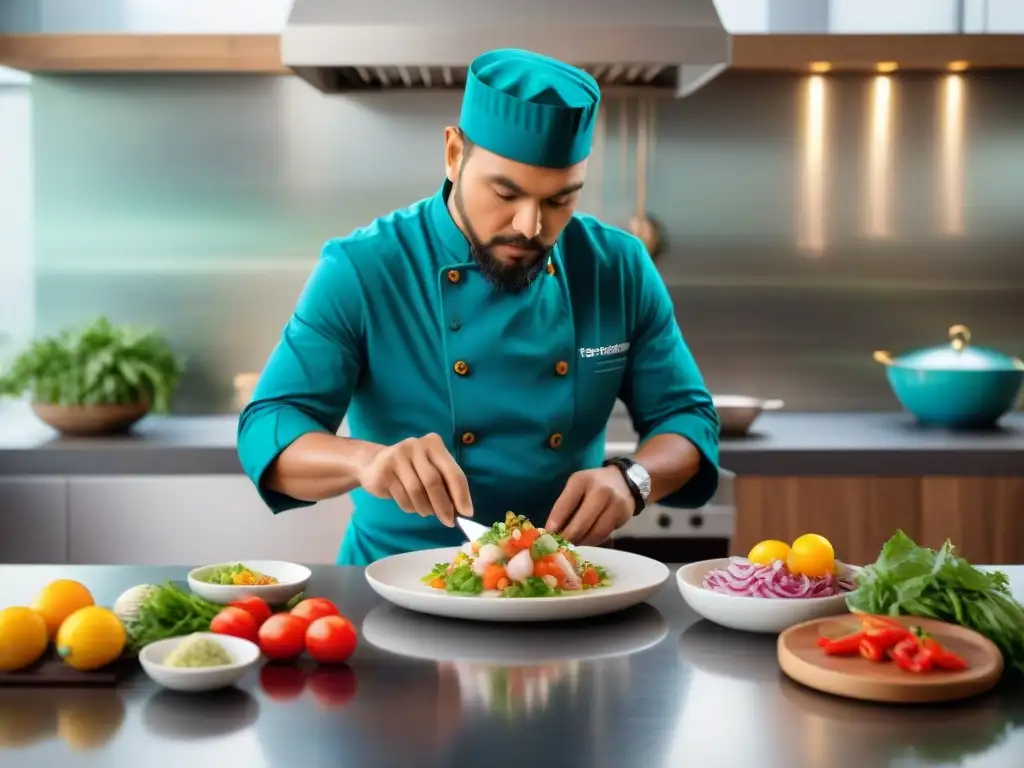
x=594 y=504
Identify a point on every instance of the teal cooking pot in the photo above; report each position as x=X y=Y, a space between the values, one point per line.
x=955 y=385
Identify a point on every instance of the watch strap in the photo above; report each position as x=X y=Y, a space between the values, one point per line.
x=624 y=464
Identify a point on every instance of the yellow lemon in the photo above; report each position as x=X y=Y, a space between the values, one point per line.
x=23 y=638
x=91 y=638
x=811 y=555
x=59 y=599
x=767 y=552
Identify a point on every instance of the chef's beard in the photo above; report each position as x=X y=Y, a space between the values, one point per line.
x=513 y=277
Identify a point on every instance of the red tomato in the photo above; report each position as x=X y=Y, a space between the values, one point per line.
x=282 y=682
x=314 y=608
x=333 y=687
x=255 y=606
x=235 y=622
x=282 y=636
x=331 y=639
x=525 y=541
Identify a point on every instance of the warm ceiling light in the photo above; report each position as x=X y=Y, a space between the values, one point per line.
x=886 y=66
x=958 y=66
x=820 y=67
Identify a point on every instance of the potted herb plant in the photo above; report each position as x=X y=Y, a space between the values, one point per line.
x=99 y=379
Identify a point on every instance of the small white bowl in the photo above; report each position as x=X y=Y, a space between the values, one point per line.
x=196 y=679
x=753 y=614
x=291 y=577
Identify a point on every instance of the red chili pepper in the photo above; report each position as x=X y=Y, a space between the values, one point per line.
x=872 y=650
x=941 y=657
x=889 y=636
x=842 y=646
x=910 y=656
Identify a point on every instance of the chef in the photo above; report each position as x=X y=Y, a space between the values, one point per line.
x=477 y=341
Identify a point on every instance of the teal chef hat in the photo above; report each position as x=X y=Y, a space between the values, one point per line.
x=530 y=108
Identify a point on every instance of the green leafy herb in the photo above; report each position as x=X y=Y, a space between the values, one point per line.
x=532 y=587
x=916 y=581
x=493 y=536
x=169 y=611
x=562 y=541
x=439 y=571
x=100 y=364
x=462 y=580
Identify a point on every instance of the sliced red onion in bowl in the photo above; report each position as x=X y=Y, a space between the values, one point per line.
x=746 y=579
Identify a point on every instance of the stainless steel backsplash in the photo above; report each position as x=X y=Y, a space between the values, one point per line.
x=807 y=220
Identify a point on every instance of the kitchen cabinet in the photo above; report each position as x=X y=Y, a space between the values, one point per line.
x=17 y=291
x=33 y=521
x=181 y=520
x=981 y=515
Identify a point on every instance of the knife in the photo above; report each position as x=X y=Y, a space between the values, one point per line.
x=472 y=530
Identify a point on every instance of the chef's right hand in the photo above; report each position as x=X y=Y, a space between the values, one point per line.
x=422 y=477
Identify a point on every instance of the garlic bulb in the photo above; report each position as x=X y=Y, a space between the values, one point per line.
x=126 y=607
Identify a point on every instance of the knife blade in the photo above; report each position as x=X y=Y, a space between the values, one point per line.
x=472 y=530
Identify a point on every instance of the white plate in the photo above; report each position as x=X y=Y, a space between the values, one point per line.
x=634 y=580
x=292 y=579
x=195 y=679
x=753 y=614
x=398 y=631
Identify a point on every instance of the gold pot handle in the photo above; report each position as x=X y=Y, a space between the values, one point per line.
x=959 y=337
x=883 y=356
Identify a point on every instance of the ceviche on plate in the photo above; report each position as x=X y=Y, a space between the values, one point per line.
x=514 y=558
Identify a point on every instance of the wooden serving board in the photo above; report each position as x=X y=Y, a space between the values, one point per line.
x=857 y=678
x=50 y=670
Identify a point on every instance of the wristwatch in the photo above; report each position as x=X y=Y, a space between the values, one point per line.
x=637 y=478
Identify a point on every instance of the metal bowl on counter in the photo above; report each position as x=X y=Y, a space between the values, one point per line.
x=739 y=412
x=955 y=385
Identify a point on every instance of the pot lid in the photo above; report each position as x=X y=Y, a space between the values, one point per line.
x=958 y=355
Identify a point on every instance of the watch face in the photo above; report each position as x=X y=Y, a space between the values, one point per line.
x=641 y=478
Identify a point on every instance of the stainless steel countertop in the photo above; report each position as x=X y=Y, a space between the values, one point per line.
x=781 y=443
x=701 y=696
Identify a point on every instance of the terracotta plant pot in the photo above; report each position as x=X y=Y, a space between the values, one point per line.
x=90 y=420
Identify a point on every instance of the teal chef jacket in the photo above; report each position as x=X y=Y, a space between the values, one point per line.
x=397 y=328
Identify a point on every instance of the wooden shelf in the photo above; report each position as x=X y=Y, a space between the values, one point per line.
x=257 y=54
x=261 y=54
x=863 y=52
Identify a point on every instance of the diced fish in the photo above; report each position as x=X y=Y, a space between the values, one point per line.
x=570 y=577
x=489 y=554
x=520 y=567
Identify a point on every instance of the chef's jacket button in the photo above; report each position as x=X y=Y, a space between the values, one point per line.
x=561 y=367
x=555 y=441
x=551 y=268
x=455 y=325
x=454 y=275
x=461 y=367
x=468 y=438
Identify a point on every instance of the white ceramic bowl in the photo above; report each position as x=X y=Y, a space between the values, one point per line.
x=292 y=579
x=195 y=679
x=753 y=614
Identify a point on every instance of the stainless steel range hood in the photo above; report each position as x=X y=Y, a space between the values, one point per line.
x=355 y=45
